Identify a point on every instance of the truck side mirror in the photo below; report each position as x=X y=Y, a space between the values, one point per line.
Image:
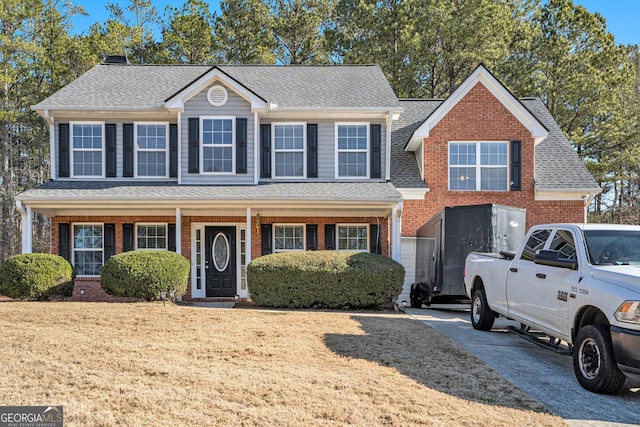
x=553 y=259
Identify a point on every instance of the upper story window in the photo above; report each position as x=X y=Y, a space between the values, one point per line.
x=352 y=143
x=353 y=237
x=478 y=166
x=289 y=150
x=151 y=236
x=87 y=153
x=288 y=238
x=151 y=150
x=88 y=249
x=217 y=138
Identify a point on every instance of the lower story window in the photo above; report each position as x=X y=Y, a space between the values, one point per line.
x=87 y=249
x=151 y=236
x=353 y=237
x=288 y=238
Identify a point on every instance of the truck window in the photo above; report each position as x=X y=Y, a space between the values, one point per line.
x=534 y=244
x=564 y=243
x=613 y=247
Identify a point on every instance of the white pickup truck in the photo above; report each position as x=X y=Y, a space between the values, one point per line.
x=575 y=283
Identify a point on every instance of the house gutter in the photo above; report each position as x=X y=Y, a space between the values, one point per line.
x=587 y=202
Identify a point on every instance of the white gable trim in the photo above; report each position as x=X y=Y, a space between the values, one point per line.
x=178 y=100
x=483 y=76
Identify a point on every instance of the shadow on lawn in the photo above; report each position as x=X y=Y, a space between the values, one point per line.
x=430 y=358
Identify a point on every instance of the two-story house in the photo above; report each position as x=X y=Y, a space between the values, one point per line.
x=224 y=164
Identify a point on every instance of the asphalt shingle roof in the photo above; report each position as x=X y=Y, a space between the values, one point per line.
x=356 y=192
x=557 y=167
x=148 y=86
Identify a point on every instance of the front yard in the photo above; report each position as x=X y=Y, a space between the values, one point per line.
x=145 y=364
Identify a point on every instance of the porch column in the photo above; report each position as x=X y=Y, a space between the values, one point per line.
x=27 y=227
x=248 y=237
x=178 y=231
x=396 y=221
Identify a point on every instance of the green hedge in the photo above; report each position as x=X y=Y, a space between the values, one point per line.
x=36 y=276
x=329 y=279
x=144 y=274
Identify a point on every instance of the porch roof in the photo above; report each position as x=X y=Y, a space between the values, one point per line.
x=162 y=198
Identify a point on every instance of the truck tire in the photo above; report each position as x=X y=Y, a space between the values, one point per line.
x=482 y=317
x=593 y=361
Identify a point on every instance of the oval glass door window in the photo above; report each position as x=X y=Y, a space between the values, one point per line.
x=221 y=252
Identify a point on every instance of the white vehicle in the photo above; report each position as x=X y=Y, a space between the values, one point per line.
x=575 y=283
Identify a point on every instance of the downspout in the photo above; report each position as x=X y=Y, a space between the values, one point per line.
x=52 y=144
x=396 y=216
x=387 y=159
x=587 y=202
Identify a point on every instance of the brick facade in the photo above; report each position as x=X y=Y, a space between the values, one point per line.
x=91 y=285
x=479 y=116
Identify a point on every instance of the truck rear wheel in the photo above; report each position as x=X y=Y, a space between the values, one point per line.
x=482 y=317
x=593 y=361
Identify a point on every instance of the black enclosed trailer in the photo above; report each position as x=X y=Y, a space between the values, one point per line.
x=447 y=239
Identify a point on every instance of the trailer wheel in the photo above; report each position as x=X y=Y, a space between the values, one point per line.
x=593 y=361
x=414 y=297
x=482 y=317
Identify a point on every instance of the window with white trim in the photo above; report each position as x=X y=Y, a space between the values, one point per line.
x=289 y=150
x=87 y=150
x=289 y=237
x=152 y=150
x=151 y=236
x=352 y=144
x=88 y=249
x=353 y=237
x=217 y=136
x=478 y=166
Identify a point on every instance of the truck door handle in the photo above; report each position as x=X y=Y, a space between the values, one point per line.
x=541 y=275
x=513 y=270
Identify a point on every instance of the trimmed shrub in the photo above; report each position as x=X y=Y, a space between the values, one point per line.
x=36 y=276
x=144 y=274
x=328 y=279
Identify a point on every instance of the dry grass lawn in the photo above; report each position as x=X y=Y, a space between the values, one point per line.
x=145 y=364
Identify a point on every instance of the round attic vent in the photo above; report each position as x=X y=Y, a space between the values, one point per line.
x=217 y=96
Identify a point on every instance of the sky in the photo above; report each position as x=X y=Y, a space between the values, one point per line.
x=621 y=15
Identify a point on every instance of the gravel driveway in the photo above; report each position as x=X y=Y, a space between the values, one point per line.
x=541 y=373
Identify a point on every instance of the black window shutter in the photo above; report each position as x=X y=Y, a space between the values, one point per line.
x=173 y=150
x=312 y=237
x=63 y=150
x=127 y=237
x=109 y=241
x=516 y=165
x=375 y=239
x=194 y=145
x=110 y=144
x=376 y=151
x=265 y=151
x=330 y=237
x=127 y=150
x=312 y=151
x=64 y=239
x=241 y=145
x=265 y=231
x=171 y=237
